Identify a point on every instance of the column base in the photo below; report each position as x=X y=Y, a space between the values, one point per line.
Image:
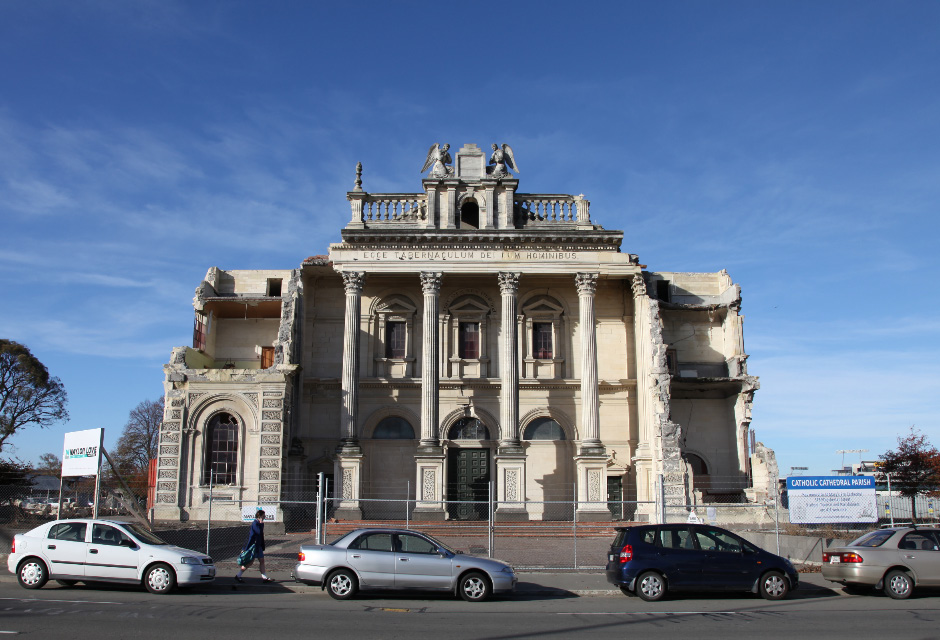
x=594 y=515
x=430 y=514
x=511 y=515
x=347 y=513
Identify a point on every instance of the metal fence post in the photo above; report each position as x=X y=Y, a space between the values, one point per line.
x=574 y=521
x=661 y=498
x=891 y=500
x=318 y=525
x=776 y=512
x=490 y=520
x=209 y=517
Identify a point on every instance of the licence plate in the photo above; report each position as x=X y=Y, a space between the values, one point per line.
x=835 y=560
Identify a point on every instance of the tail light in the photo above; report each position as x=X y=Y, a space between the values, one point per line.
x=13 y=546
x=301 y=557
x=626 y=554
x=849 y=557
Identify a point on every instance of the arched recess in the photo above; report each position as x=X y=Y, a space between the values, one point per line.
x=388 y=470
x=487 y=418
x=698 y=469
x=550 y=470
x=208 y=407
x=472 y=211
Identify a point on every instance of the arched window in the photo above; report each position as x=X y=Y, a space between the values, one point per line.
x=470 y=215
x=468 y=429
x=543 y=429
x=393 y=428
x=221 y=450
x=698 y=465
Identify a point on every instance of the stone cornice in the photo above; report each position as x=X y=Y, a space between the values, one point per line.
x=570 y=239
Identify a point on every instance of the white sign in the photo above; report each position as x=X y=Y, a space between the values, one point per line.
x=81 y=455
x=270 y=512
x=815 y=499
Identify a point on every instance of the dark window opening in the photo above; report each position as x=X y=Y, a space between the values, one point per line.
x=274 y=287
x=543 y=429
x=468 y=429
x=199 y=334
x=221 y=450
x=672 y=363
x=394 y=428
x=542 y=339
x=469 y=340
x=470 y=215
x=662 y=290
x=395 y=340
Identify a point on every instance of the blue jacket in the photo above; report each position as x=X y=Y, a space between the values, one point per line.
x=255 y=535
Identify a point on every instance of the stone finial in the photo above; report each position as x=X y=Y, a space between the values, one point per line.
x=639 y=286
x=358 y=186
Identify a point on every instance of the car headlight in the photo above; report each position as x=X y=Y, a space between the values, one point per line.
x=190 y=560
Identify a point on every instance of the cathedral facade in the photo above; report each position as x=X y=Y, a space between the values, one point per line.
x=462 y=339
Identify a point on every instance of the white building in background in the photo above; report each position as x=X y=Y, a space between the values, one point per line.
x=458 y=336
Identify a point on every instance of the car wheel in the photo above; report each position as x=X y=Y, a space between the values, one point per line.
x=651 y=586
x=67 y=583
x=341 y=585
x=898 y=585
x=159 y=579
x=626 y=592
x=474 y=587
x=32 y=573
x=774 y=586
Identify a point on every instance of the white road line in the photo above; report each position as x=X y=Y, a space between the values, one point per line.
x=51 y=600
x=649 y=613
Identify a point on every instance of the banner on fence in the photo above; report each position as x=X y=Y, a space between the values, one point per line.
x=81 y=454
x=270 y=512
x=824 y=499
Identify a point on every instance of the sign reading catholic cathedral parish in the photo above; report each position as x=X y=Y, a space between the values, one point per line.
x=461 y=336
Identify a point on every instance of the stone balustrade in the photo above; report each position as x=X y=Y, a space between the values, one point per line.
x=536 y=208
x=393 y=207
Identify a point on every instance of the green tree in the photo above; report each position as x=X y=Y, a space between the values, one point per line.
x=914 y=467
x=29 y=396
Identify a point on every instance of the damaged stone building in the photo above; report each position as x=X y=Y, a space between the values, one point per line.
x=458 y=338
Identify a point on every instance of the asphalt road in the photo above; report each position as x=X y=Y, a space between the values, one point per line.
x=249 y=611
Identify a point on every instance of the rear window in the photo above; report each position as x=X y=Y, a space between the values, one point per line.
x=872 y=539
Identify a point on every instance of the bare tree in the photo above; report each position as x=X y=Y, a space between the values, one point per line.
x=137 y=445
x=49 y=464
x=29 y=396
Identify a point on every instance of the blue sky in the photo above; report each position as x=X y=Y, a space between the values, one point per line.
x=794 y=144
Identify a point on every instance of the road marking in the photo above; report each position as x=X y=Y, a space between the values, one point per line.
x=396 y=610
x=654 y=613
x=51 y=600
x=13 y=632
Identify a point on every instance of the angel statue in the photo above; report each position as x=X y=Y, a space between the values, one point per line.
x=501 y=159
x=438 y=158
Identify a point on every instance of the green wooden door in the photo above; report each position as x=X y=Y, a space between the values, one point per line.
x=469 y=479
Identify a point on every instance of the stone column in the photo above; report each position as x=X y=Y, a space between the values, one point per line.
x=429 y=460
x=431 y=286
x=509 y=362
x=590 y=404
x=354 y=281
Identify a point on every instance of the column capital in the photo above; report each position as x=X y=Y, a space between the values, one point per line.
x=639 y=286
x=586 y=283
x=508 y=282
x=431 y=282
x=354 y=281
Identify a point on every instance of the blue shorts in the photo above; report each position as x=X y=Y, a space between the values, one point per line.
x=259 y=553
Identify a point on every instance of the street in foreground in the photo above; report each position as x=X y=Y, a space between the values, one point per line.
x=224 y=609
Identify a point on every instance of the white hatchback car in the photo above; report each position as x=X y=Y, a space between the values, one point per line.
x=75 y=550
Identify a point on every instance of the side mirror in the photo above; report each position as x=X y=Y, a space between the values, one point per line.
x=128 y=543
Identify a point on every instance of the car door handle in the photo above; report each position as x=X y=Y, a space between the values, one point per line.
x=403 y=559
x=356 y=555
x=911 y=557
x=51 y=546
x=93 y=551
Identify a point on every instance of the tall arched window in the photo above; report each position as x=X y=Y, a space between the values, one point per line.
x=468 y=429
x=221 y=450
x=393 y=428
x=543 y=429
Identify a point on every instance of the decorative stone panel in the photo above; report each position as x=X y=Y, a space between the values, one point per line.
x=176 y=414
x=169 y=450
x=512 y=485
x=168 y=462
x=271 y=426
x=594 y=486
x=176 y=402
x=166 y=486
x=270 y=488
x=274 y=394
x=270 y=451
x=252 y=398
x=347 y=484
x=270 y=415
x=166 y=498
x=271 y=439
x=272 y=403
x=195 y=396
x=271 y=463
x=171 y=437
x=428 y=485
x=171 y=426
x=269 y=475
x=169 y=474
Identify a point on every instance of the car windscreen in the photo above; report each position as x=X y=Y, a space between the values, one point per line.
x=142 y=534
x=872 y=539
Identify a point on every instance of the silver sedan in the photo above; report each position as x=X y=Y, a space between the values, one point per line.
x=399 y=559
x=895 y=560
